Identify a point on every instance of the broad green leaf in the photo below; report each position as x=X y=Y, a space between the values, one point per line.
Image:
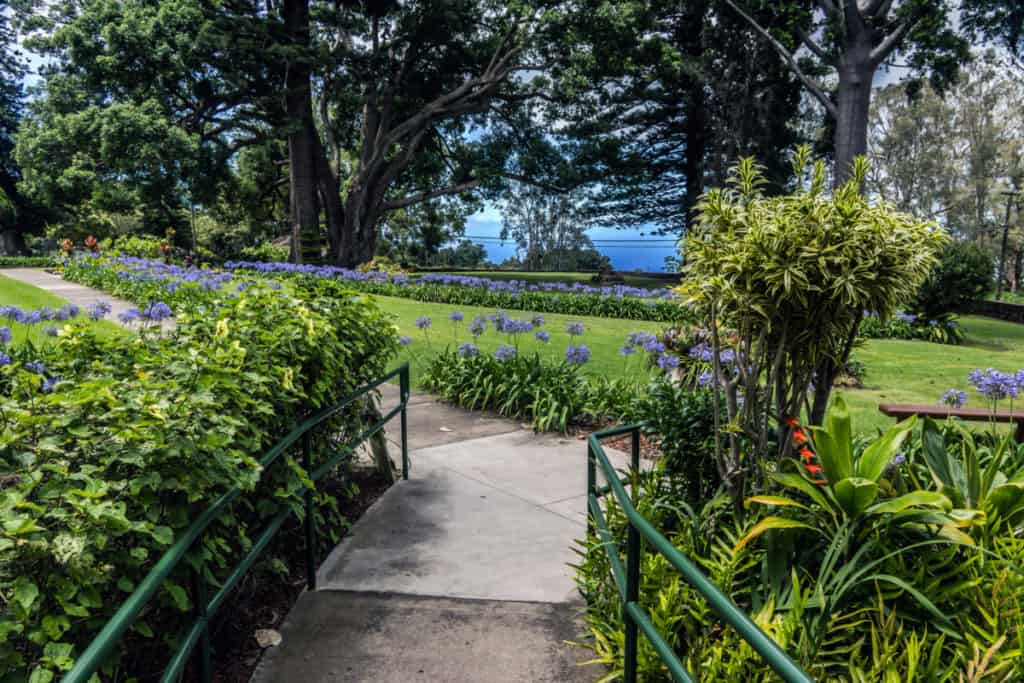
x=930 y=499
x=25 y=593
x=837 y=423
x=917 y=595
x=935 y=454
x=162 y=535
x=830 y=455
x=1005 y=497
x=773 y=500
x=855 y=494
x=770 y=523
x=880 y=453
x=178 y=595
x=795 y=481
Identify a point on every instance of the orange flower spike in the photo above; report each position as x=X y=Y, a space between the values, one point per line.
x=799 y=437
x=814 y=469
x=791 y=421
x=807 y=454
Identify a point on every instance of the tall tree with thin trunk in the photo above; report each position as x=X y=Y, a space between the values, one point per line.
x=840 y=46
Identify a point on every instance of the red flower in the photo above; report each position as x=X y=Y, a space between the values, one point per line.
x=814 y=469
x=807 y=454
x=791 y=421
x=799 y=437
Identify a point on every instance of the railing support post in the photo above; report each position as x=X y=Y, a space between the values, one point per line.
x=403 y=382
x=310 y=521
x=632 y=596
x=591 y=482
x=202 y=600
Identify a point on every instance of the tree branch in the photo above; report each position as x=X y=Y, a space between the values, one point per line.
x=890 y=42
x=433 y=194
x=812 y=45
x=811 y=86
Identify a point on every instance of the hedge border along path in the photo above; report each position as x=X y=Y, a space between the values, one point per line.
x=612 y=301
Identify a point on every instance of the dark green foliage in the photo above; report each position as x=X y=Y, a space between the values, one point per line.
x=27 y=261
x=102 y=472
x=944 y=329
x=683 y=421
x=964 y=273
x=551 y=395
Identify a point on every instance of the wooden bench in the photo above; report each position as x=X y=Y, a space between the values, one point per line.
x=904 y=410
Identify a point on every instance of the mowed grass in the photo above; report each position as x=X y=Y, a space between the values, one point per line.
x=27 y=297
x=631 y=279
x=603 y=336
x=918 y=372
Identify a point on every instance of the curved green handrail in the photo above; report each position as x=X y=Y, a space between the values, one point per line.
x=639 y=528
x=96 y=653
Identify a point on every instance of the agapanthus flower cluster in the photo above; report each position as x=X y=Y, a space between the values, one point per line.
x=953 y=398
x=478 y=326
x=5 y=335
x=404 y=340
x=156 y=312
x=667 y=361
x=993 y=384
x=505 y=352
x=98 y=310
x=542 y=336
x=574 y=329
x=577 y=354
x=468 y=350
x=706 y=352
x=456 y=317
x=423 y=323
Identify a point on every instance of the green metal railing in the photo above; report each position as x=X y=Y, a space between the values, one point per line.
x=627 y=579
x=205 y=607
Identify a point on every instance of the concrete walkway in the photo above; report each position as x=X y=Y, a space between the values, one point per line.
x=459 y=574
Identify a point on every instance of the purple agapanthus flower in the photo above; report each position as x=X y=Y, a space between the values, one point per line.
x=5 y=335
x=127 y=317
x=654 y=347
x=954 y=398
x=468 y=350
x=667 y=361
x=404 y=340
x=12 y=313
x=423 y=323
x=505 y=353
x=157 y=311
x=706 y=379
x=34 y=317
x=577 y=354
x=993 y=384
x=627 y=350
x=537 y=320
x=641 y=339
x=48 y=384
x=456 y=316
x=908 y=318
x=574 y=329
x=4 y=359
x=542 y=336
x=478 y=326
x=36 y=366
x=98 y=310
x=51 y=330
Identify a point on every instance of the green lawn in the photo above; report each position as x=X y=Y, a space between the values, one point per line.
x=918 y=372
x=603 y=336
x=632 y=280
x=27 y=298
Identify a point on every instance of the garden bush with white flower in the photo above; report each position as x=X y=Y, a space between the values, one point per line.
x=109 y=447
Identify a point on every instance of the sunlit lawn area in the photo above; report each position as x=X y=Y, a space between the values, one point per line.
x=603 y=336
x=918 y=372
x=27 y=297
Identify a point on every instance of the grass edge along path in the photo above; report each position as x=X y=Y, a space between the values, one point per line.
x=28 y=297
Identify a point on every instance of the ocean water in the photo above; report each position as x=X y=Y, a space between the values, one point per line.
x=627 y=249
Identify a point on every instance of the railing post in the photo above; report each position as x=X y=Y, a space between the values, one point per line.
x=591 y=481
x=202 y=601
x=632 y=596
x=403 y=382
x=310 y=522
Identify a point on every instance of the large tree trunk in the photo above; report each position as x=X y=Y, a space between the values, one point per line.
x=696 y=113
x=853 y=104
x=303 y=143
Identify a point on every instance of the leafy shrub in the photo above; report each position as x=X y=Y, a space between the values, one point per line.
x=890 y=559
x=964 y=273
x=550 y=395
x=267 y=251
x=27 y=261
x=109 y=448
x=944 y=329
x=139 y=246
x=683 y=421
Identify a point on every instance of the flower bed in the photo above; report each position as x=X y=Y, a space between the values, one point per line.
x=613 y=301
x=110 y=447
x=942 y=330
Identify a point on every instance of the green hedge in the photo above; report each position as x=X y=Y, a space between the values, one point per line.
x=104 y=468
x=27 y=261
